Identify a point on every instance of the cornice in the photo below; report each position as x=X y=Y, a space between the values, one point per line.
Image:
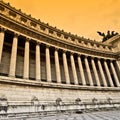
x=118 y=55
x=113 y=39
x=29 y=17
x=83 y=47
x=46 y=39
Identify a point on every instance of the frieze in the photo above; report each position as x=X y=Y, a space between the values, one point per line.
x=39 y=23
x=51 y=40
x=30 y=19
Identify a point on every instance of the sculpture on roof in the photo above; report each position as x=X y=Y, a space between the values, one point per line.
x=108 y=35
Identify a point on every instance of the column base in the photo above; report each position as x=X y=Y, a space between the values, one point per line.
x=38 y=80
x=26 y=78
x=12 y=76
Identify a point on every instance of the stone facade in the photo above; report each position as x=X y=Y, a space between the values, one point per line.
x=41 y=61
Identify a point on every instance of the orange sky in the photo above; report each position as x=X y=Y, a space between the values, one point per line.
x=81 y=17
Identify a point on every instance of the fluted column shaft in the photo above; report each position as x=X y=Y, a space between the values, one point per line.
x=38 y=69
x=13 y=56
x=73 y=69
x=57 y=66
x=48 y=66
x=102 y=73
x=81 y=70
x=67 y=78
x=95 y=72
x=26 y=60
x=2 y=34
x=108 y=73
x=88 y=71
x=118 y=66
x=114 y=73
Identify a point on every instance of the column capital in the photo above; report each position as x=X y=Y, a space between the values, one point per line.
x=28 y=39
x=111 y=60
x=105 y=60
x=56 y=48
x=71 y=53
x=92 y=58
x=64 y=51
x=79 y=55
x=2 y=29
x=98 y=58
x=47 y=46
x=86 y=56
x=38 y=43
x=16 y=34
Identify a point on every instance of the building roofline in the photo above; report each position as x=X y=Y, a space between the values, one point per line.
x=48 y=26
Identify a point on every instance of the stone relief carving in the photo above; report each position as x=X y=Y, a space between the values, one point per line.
x=78 y=101
x=34 y=100
x=59 y=101
x=109 y=100
x=3 y=103
x=94 y=101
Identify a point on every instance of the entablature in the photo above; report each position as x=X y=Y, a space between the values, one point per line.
x=37 y=25
x=52 y=41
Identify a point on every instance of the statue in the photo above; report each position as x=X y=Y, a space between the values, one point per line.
x=108 y=35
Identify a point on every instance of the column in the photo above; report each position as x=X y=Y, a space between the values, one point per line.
x=95 y=72
x=67 y=78
x=2 y=34
x=26 y=59
x=108 y=73
x=81 y=70
x=114 y=73
x=73 y=69
x=102 y=73
x=118 y=65
x=57 y=66
x=38 y=72
x=13 y=56
x=48 y=66
x=88 y=71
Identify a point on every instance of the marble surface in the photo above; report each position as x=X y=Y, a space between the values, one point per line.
x=99 y=115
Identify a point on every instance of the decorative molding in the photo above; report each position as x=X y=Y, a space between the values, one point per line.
x=36 y=24
x=24 y=82
x=34 y=34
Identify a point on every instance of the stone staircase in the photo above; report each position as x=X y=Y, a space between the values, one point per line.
x=84 y=111
x=96 y=115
